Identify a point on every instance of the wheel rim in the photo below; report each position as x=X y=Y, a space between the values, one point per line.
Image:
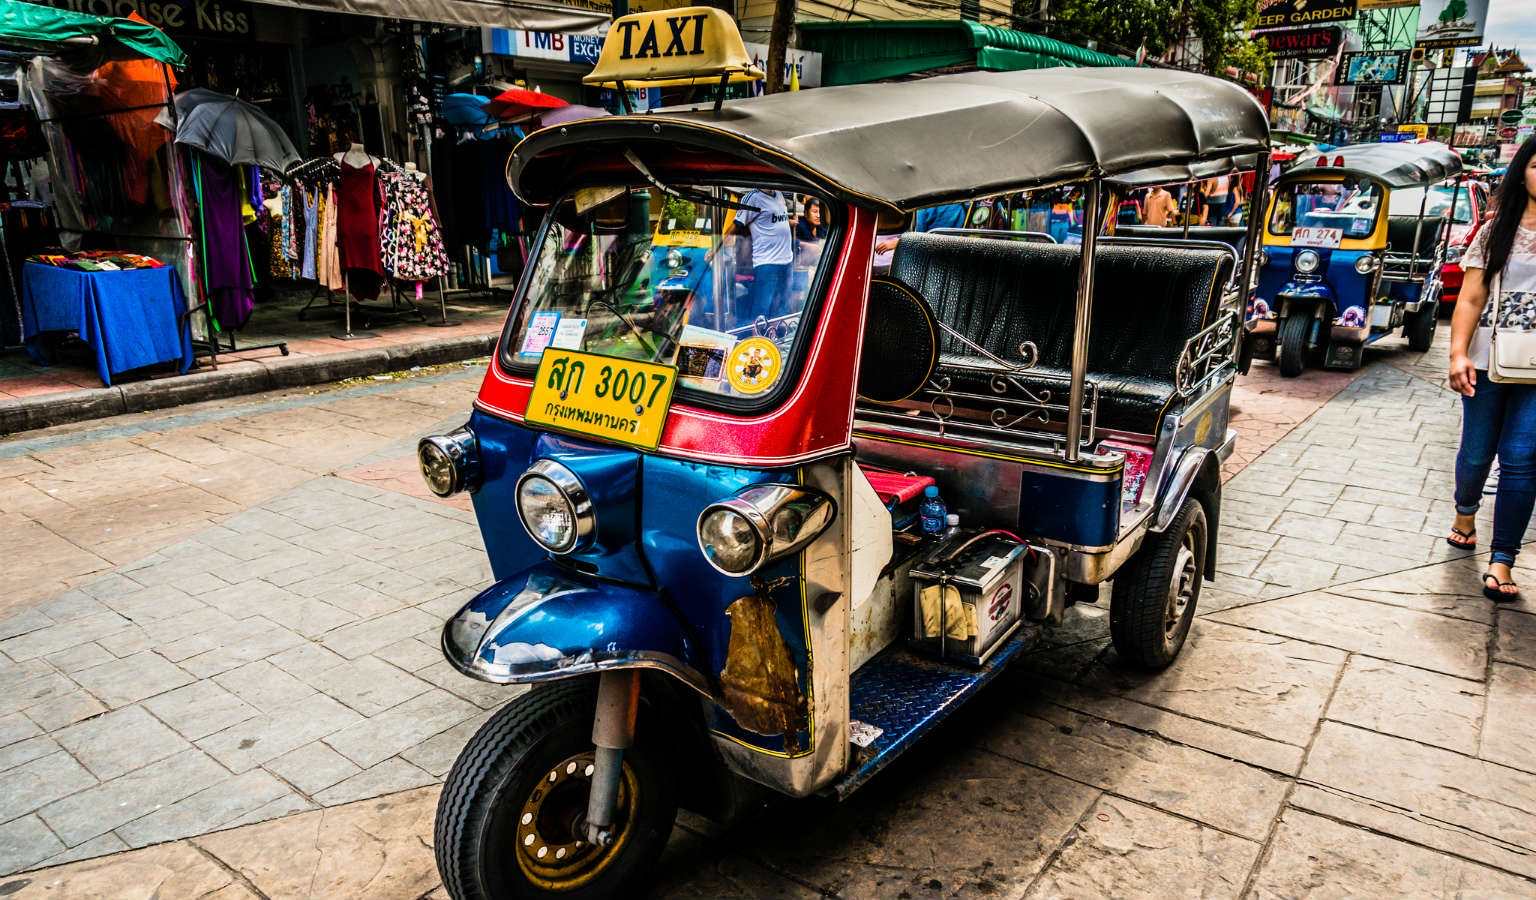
x=1181 y=589
x=551 y=846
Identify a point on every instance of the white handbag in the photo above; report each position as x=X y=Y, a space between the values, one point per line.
x=1512 y=356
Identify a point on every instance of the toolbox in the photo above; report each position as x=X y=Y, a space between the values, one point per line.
x=966 y=601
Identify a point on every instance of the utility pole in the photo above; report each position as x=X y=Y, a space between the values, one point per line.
x=778 y=43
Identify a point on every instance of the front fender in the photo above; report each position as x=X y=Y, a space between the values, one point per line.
x=544 y=624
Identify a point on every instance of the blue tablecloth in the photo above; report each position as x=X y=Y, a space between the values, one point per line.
x=131 y=318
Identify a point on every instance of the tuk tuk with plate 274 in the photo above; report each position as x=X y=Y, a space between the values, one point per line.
x=698 y=503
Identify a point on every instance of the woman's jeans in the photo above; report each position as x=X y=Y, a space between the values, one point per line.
x=1500 y=420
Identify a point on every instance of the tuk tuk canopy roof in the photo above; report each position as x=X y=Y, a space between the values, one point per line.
x=34 y=27
x=1407 y=164
x=917 y=143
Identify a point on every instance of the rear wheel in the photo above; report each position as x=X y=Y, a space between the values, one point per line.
x=1155 y=593
x=1292 y=336
x=1421 y=327
x=511 y=820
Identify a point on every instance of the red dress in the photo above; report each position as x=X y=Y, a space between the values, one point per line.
x=357 y=230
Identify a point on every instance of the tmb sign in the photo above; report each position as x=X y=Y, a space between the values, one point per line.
x=1283 y=13
x=1303 y=43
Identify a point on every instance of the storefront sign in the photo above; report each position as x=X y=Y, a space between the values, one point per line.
x=1303 y=43
x=806 y=62
x=1373 y=67
x=1414 y=130
x=1394 y=137
x=1284 y=13
x=555 y=46
x=1451 y=23
x=1386 y=4
x=209 y=17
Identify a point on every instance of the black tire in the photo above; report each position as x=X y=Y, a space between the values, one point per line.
x=1292 y=337
x=1155 y=593
x=479 y=837
x=1421 y=327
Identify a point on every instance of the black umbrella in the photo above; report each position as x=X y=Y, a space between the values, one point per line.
x=230 y=129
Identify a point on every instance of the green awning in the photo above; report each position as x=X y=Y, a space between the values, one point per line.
x=32 y=27
x=859 y=52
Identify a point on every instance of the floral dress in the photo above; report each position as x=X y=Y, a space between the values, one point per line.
x=411 y=244
x=1517 y=289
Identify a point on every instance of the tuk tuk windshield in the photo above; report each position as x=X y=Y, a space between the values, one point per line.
x=1406 y=203
x=685 y=277
x=1350 y=206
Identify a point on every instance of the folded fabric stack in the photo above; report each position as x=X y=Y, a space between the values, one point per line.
x=97 y=260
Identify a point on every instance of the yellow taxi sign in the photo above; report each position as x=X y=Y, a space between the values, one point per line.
x=692 y=45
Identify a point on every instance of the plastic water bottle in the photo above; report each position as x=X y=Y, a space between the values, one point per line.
x=951 y=524
x=934 y=513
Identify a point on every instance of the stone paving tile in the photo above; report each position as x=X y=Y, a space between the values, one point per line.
x=313 y=767
x=97 y=846
x=199 y=709
x=100 y=809
x=1315 y=857
x=53 y=638
x=1516 y=638
x=306 y=660
x=210 y=808
x=694 y=867
x=40 y=782
x=120 y=741
x=437 y=754
x=1496 y=802
x=371 y=741
x=34 y=691
x=1219 y=792
x=13 y=755
x=1410 y=703
x=16 y=727
x=368 y=635
x=252 y=742
x=1123 y=849
x=131 y=679
x=170 y=871
x=25 y=842
x=64 y=710
x=264 y=686
x=1433 y=642
x=253 y=639
x=1509 y=731
x=388 y=777
x=369 y=685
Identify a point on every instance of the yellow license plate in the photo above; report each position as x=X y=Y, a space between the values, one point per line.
x=620 y=400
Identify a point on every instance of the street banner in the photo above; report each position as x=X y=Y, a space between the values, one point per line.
x=1303 y=43
x=1415 y=130
x=1290 y=13
x=1450 y=95
x=1386 y=4
x=1451 y=23
x=1373 y=67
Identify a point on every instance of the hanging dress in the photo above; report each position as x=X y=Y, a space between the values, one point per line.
x=357 y=228
x=311 y=222
x=226 y=265
x=411 y=242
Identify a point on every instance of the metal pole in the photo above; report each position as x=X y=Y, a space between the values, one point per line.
x=1257 y=209
x=1188 y=205
x=1418 y=229
x=1082 y=321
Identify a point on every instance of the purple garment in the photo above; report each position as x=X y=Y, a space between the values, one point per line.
x=225 y=264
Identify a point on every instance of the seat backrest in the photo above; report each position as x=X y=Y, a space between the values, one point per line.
x=1400 y=234
x=1148 y=300
x=1233 y=236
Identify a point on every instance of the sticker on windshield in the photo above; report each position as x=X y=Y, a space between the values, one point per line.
x=754 y=366
x=1314 y=236
x=541 y=330
x=568 y=334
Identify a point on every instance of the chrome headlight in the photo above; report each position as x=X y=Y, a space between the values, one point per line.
x=1306 y=262
x=450 y=462
x=554 y=508
x=761 y=524
x=674 y=258
x=1453 y=254
x=1263 y=258
x=1365 y=265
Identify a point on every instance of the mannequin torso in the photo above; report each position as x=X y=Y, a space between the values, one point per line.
x=356 y=157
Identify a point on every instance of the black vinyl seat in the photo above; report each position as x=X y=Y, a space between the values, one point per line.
x=1400 y=231
x=1148 y=302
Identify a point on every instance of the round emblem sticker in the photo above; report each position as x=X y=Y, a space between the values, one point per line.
x=754 y=366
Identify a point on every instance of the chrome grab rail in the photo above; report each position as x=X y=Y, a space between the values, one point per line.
x=1207 y=355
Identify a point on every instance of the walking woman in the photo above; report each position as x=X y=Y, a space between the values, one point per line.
x=1497 y=419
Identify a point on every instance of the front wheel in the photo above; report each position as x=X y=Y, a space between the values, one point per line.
x=1292 y=336
x=1421 y=327
x=511 y=819
x=1155 y=593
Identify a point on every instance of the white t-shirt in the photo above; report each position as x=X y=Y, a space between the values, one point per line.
x=1517 y=289
x=773 y=241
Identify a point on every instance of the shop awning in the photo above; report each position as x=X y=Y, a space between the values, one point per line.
x=32 y=27
x=859 y=52
x=465 y=13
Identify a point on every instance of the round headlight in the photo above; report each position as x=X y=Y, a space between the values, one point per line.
x=674 y=259
x=1306 y=262
x=449 y=462
x=436 y=468
x=1263 y=258
x=729 y=541
x=554 y=507
x=1365 y=265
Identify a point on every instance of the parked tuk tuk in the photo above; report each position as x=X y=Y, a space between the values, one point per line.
x=720 y=542
x=1343 y=265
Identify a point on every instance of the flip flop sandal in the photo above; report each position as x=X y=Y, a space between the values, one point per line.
x=1469 y=542
x=1496 y=593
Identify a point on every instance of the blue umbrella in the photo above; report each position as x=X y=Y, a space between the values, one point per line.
x=466 y=110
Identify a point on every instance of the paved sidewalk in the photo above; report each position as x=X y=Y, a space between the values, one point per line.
x=1351 y=716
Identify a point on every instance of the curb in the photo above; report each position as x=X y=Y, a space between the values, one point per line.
x=276 y=373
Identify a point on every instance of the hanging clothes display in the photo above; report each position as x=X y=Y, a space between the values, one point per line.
x=311 y=221
x=227 y=277
x=327 y=256
x=411 y=241
x=357 y=227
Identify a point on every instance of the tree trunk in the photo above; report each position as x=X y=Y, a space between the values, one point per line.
x=778 y=43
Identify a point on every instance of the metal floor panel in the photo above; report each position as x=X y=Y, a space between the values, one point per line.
x=907 y=695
